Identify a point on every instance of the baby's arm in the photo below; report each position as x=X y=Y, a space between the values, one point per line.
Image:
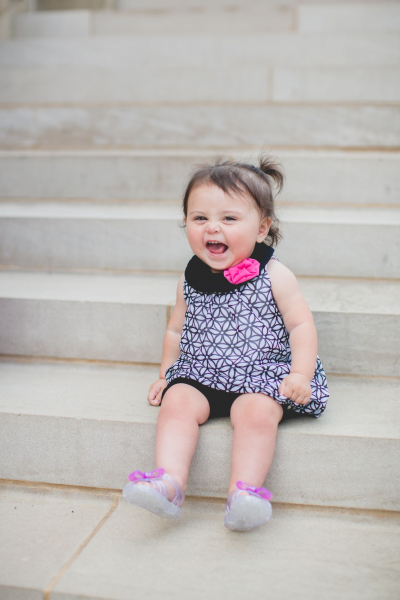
x=171 y=349
x=302 y=333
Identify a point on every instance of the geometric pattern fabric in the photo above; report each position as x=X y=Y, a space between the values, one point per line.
x=237 y=342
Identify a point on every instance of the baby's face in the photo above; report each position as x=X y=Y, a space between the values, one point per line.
x=222 y=230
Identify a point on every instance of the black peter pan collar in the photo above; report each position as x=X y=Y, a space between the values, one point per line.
x=200 y=277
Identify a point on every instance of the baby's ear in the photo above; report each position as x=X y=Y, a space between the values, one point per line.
x=264 y=228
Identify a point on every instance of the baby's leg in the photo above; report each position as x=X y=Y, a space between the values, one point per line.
x=183 y=409
x=255 y=419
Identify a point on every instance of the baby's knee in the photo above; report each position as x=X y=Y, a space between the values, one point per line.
x=180 y=402
x=174 y=402
x=257 y=411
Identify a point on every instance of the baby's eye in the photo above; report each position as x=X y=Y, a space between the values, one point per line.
x=199 y=218
x=230 y=218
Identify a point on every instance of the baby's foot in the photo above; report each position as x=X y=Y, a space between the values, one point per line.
x=247 y=507
x=157 y=492
x=171 y=491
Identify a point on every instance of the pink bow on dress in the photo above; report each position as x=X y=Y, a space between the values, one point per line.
x=245 y=270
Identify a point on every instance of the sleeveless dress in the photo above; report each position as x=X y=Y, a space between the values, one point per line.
x=234 y=338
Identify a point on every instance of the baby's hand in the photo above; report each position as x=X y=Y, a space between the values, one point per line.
x=155 y=392
x=296 y=387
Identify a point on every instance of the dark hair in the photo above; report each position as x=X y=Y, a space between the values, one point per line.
x=245 y=179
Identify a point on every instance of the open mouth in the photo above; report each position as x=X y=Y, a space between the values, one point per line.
x=216 y=247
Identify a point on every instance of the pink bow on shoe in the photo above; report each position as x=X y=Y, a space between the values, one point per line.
x=260 y=491
x=138 y=475
x=245 y=270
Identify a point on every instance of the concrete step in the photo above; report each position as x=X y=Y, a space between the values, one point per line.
x=88 y=23
x=270 y=18
x=335 y=84
x=371 y=49
x=79 y=544
x=225 y=5
x=140 y=84
x=106 y=317
x=91 y=425
x=243 y=84
x=148 y=236
x=57 y=24
x=230 y=126
x=377 y=16
x=42 y=529
x=315 y=177
x=123 y=318
x=384 y=16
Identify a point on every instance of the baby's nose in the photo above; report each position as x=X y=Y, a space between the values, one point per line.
x=213 y=226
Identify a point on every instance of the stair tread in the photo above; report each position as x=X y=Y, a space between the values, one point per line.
x=80 y=415
x=328 y=85
x=308 y=48
x=172 y=211
x=112 y=393
x=117 y=563
x=133 y=288
x=322 y=294
x=316 y=177
x=137 y=125
x=195 y=152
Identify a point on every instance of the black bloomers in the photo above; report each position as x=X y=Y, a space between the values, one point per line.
x=221 y=402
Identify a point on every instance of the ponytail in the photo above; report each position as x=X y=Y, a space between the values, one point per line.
x=272 y=170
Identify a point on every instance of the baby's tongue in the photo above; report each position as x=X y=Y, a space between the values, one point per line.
x=217 y=248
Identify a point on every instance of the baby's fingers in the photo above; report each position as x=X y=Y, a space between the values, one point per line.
x=282 y=388
x=289 y=392
x=303 y=398
x=300 y=400
x=294 y=394
x=155 y=393
x=155 y=401
x=154 y=396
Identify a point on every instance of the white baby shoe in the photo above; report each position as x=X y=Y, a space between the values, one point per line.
x=247 y=507
x=149 y=491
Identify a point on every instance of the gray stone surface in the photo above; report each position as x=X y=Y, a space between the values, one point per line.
x=377 y=16
x=215 y=562
x=207 y=50
x=212 y=5
x=123 y=317
x=320 y=241
x=106 y=317
x=313 y=177
x=89 y=236
x=57 y=24
x=91 y=425
x=41 y=529
x=42 y=534
x=265 y=19
x=341 y=177
x=149 y=235
x=77 y=23
x=229 y=126
x=59 y=5
x=135 y=84
x=336 y=84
